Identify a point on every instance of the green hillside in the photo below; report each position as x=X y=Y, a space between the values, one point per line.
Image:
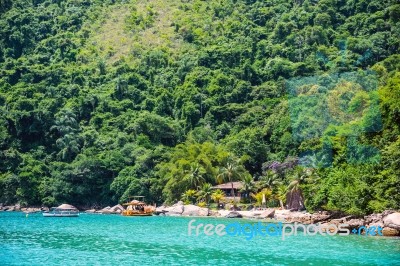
x=100 y=100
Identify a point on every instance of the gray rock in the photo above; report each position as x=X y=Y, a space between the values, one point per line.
x=269 y=213
x=179 y=203
x=160 y=210
x=31 y=210
x=392 y=220
x=117 y=208
x=355 y=223
x=9 y=208
x=373 y=218
x=387 y=212
x=192 y=210
x=106 y=210
x=176 y=210
x=380 y=224
x=233 y=214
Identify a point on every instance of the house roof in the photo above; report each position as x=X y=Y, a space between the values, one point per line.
x=66 y=207
x=135 y=202
x=236 y=185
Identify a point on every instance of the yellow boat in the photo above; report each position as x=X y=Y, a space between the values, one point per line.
x=137 y=207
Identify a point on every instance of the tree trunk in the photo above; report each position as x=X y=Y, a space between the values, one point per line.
x=281 y=203
x=233 y=193
x=295 y=200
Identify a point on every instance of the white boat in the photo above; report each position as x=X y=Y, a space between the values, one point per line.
x=64 y=210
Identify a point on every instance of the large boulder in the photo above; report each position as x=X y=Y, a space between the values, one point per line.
x=105 y=210
x=373 y=218
x=233 y=214
x=392 y=220
x=175 y=210
x=387 y=231
x=9 y=208
x=355 y=223
x=387 y=212
x=269 y=213
x=117 y=209
x=192 y=210
x=375 y=225
x=160 y=210
x=248 y=214
x=223 y=213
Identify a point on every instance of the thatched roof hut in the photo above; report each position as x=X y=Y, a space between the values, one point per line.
x=66 y=207
x=134 y=202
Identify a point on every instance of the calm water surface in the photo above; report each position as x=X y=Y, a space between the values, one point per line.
x=116 y=240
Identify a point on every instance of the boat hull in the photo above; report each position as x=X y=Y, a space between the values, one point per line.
x=128 y=213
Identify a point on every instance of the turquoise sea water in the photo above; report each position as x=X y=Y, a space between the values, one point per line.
x=116 y=240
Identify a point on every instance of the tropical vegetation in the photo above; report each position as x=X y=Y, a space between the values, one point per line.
x=101 y=100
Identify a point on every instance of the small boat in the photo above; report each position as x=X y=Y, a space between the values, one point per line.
x=137 y=207
x=64 y=210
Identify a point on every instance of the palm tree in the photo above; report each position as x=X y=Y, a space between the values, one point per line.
x=281 y=195
x=248 y=185
x=205 y=192
x=217 y=196
x=66 y=122
x=195 y=176
x=231 y=172
x=69 y=145
x=68 y=128
x=270 y=180
x=266 y=192
x=294 y=195
x=189 y=196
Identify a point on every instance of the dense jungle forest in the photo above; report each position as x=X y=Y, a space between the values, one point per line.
x=102 y=100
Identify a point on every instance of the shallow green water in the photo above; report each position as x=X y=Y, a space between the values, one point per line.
x=117 y=240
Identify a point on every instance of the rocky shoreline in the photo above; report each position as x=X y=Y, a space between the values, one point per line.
x=389 y=220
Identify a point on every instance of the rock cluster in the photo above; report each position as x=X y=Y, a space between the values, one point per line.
x=388 y=220
x=10 y=208
x=179 y=209
x=17 y=207
x=117 y=209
